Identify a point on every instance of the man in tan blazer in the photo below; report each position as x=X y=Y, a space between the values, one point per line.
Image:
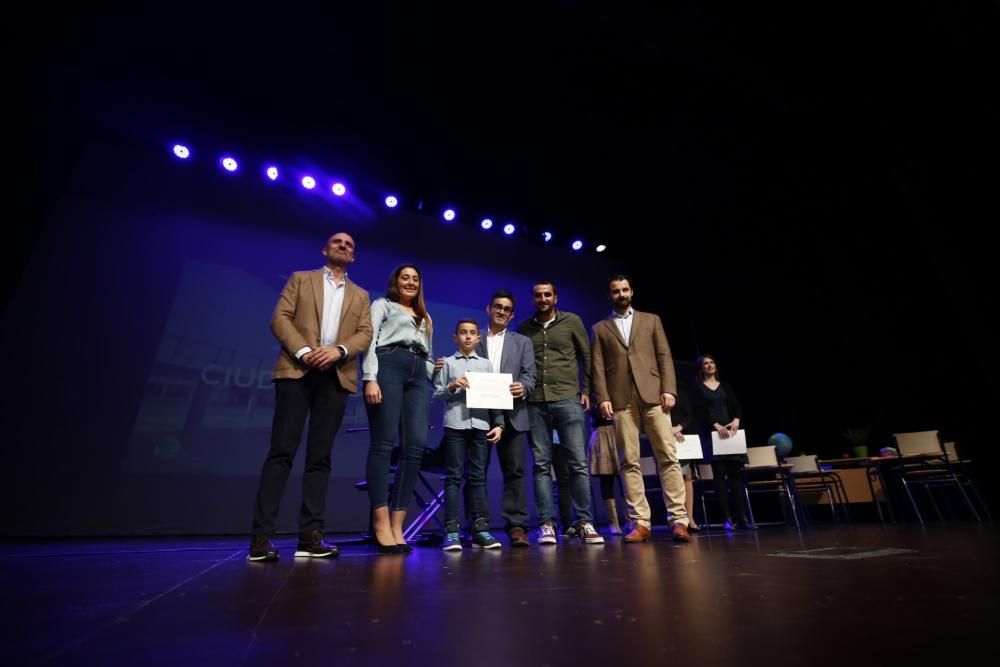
x=323 y=322
x=634 y=384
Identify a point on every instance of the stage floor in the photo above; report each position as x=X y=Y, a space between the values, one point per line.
x=861 y=594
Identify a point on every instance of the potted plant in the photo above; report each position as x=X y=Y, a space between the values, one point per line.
x=860 y=438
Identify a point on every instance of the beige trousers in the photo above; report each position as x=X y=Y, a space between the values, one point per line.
x=636 y=418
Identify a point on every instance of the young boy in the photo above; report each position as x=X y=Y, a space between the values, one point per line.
x=466 y=432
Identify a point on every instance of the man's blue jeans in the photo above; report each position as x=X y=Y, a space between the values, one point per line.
x=566 y=418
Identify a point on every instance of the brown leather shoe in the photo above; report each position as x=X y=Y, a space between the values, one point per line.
x=518 y=538
x=680 y=533
x=639 y=533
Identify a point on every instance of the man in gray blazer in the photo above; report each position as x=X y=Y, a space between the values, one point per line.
x=323 y=321
x=510 y=352
x=634 y=384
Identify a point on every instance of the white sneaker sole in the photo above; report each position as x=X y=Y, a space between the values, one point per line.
x=260 y=559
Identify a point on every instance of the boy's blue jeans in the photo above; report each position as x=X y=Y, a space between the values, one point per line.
x=461 y=446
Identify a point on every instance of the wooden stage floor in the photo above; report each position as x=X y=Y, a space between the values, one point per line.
x=829 y=595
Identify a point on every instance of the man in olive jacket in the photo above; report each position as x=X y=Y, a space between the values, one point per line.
x=562 y=355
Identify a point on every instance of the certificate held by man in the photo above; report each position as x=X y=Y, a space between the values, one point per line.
x=489 y=390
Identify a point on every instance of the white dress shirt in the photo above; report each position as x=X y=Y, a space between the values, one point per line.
x=494 y=348
x=333 y=304
x=624 y=324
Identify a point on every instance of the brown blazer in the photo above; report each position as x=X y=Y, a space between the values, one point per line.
x=297 y=321
x=646 y=361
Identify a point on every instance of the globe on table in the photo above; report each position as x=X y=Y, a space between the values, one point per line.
x=782 y=444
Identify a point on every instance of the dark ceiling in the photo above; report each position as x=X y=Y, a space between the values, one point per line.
x=578 y=115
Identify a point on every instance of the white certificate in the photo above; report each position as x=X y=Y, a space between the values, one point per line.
x=690 y=449
x=734 y=444
x=489 y=390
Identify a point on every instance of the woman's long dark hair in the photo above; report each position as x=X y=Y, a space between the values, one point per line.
x=418 y=305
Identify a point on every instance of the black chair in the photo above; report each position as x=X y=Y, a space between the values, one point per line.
x=810 y=477
x=703 y=485
x=428 y=499
x=923 y=463
x=766 y=475
x=965 y=470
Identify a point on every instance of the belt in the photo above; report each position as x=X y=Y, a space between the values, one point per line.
x=415 y=349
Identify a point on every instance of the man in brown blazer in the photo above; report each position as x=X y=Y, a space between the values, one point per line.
x=323 y=322
x=634 y=384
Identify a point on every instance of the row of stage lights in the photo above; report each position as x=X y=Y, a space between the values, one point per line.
x=230 y=164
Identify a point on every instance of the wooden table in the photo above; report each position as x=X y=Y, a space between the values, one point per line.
x=875 y=470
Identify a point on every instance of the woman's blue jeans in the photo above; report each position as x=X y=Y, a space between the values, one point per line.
x=403 y=412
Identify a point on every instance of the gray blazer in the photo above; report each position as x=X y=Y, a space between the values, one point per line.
x=518 y=359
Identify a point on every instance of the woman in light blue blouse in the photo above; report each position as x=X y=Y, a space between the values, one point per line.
x=397 y=372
